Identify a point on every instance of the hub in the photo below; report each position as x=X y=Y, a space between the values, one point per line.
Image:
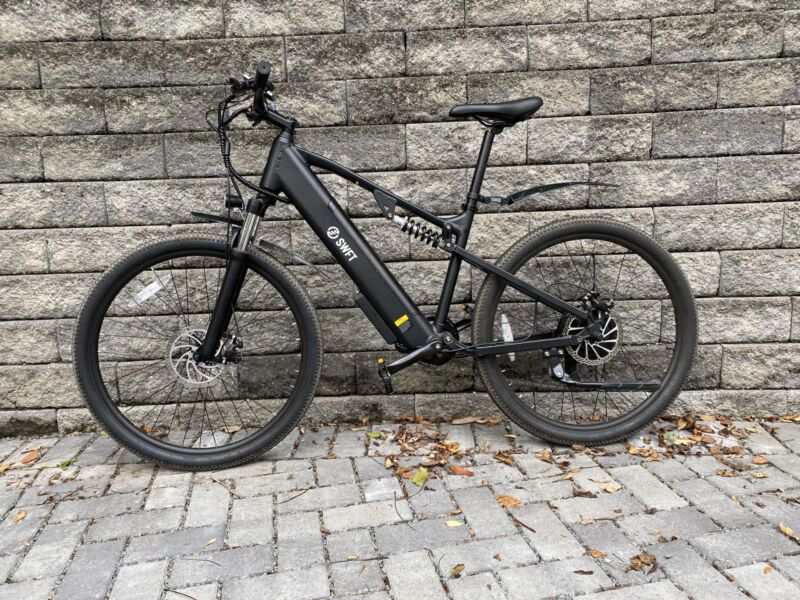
x=181 y=358
x=594 y=351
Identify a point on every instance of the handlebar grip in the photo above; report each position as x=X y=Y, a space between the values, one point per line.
x=260 y=82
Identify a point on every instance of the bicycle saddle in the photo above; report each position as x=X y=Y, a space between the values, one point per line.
x=506 y=112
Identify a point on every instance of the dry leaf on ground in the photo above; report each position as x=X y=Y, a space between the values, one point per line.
x=643 y=562
x=788 y=532
x=760 y=460
x=767 y=570
x=19 y=516
x=455 y=572
x=597 y=554
x=455 y=523
x=420 y=477
x=30 y=457
x=456 y=470
x=508 y=501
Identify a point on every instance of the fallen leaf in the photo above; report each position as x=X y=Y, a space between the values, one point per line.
x=760 y=475
x=455 y=572
x=373 y=434
x=788 y=532
x=508 y=501
x=760 y=460
x=209 y=542
x=569 y=475
x=767 y=570
x=707 y=418
x=587 y=521
x=420 y=477
x=642 y=561
x=503 y=457
x=597 y=554
x=455 y=512
x=30 y=456
x=456 y=470
x=725 y=473
x=544 y=454
x=389 y=462
x=455 y=523
x=497 y=557
x=19 y=516
x=464 y=420
x=5 y=467
x=352 y=557
x=610 y=486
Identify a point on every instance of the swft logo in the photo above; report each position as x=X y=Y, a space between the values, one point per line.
x=344 y=247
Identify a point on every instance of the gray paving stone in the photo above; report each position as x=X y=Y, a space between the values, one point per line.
x=382 y=489
x=369 y=467
x=299 y=541
x=208 y=505
x=132 y=478
x=662 y=590
x=789 y=566
x=372 y=514
x=91 y=571
x=305 y=584
x=789 y=463
x=105 y=506
x=349 y=443
x=680 y=523
x=141 y=523
x=647 y=488
x=7 y=563
x=607 y=537
x=432 y=501
x=721 y=508
x=17 y=536
x=487 y=474
x=604 y=506
x=412 y=576
x=537 y=490
x=350 y=544
x=407 y=537
x=763 y=585
x=743 y=546
x=357 y=577
x=50 y=552
x=199 y=592
x=222 y=565
x=551 y=540
x=334 y=470
x=553 y=578
x=483 y=586
x=251 y=521
x=315 y=444
x=484 y=515
x=144 y=581
x=484 y=555
x=277 y=482
x=174 y=543
x=167 y=497
x=669 y=471
x=683 y=564
x=39 y=589
x=319 y=498
x=758 y=440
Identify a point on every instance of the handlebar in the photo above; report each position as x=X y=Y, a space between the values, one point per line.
x=260 y=83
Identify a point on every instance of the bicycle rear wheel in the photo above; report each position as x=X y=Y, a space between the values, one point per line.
x=134 y=356
x=614 y=384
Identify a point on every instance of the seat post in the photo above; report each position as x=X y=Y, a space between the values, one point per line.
x=480 y=166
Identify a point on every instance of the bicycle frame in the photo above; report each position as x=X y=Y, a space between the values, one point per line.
x=383 y=300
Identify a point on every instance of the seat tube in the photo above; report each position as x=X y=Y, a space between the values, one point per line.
x=470 y=208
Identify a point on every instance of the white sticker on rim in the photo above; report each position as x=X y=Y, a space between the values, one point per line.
x=150 y=290
x=508 y=335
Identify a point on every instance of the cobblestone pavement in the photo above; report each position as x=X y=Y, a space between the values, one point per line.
x=321 y=515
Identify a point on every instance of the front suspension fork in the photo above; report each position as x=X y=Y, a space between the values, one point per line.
x=229 y=290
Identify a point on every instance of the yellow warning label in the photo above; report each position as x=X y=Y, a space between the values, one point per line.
x=401 y=320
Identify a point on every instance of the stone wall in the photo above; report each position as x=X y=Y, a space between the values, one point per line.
x=693 y=106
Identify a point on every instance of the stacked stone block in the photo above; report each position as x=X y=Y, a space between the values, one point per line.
x=692 y=107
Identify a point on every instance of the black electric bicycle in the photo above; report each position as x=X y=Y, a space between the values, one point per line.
x=204 y=353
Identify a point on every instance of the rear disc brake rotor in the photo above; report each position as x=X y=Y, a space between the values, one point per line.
x=594 y=352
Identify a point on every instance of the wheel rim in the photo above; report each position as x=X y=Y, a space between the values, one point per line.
x=649 y=342
x=141 y=363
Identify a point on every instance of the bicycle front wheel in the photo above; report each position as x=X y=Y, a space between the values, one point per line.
x=134 y=355
x=610 y=385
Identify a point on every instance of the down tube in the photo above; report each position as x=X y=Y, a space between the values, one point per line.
x=352 y=251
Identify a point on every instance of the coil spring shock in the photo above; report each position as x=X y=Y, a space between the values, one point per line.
x=419 y=231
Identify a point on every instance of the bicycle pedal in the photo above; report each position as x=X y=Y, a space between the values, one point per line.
x=386 y=377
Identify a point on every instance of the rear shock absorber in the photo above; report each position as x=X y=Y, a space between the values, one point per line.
x=418 y=231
